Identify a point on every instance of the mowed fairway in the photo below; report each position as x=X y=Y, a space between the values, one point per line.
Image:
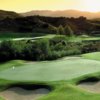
x=63 y=69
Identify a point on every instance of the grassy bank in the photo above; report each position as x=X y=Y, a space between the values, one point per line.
x=93 y=56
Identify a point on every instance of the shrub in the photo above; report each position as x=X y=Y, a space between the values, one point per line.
x=42 y=49
x=68 y=31
x=61 y=30
x=7 y=50
x=45 y=49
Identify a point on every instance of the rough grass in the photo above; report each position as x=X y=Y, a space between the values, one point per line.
x=93 y=56
x=70 y=92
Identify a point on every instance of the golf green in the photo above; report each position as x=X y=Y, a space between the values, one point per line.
x=63 y=69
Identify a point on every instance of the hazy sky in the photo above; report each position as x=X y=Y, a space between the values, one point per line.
x=27 y=5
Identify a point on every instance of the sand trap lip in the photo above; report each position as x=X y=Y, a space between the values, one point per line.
x=24 y=93
x=90 y=84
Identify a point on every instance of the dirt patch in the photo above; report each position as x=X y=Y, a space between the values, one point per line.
x=90 y=84
x=25 y=92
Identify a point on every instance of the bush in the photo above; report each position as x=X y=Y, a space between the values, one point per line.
x=91 y=46
x=42 y=49
x=7 y=50
x=45 y=49
x=61 y=30
x=39 y=50
x=68 y=31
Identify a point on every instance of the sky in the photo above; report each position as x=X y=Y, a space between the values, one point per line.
x=28 y=5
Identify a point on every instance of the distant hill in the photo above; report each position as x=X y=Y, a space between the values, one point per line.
x=49 y=22
x=8 y=14
x=65 y=13
x=41 y=24
x=26 y=24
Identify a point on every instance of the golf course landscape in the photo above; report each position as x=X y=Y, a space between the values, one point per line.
x=56 y=79
x=49 y=50
x=50 y=67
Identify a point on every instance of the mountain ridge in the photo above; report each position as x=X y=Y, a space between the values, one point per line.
x=8 y=14
x=63 y=13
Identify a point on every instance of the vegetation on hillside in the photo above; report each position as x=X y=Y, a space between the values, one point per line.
x=48 y=25
x=8 y=14
x=46 y=48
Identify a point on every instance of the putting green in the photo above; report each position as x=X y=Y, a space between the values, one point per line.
x=57 y=70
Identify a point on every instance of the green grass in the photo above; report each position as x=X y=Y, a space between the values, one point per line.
x=91 y=38
x=62 y=74
x=11 y=35
x=94 y=56
x=10 y=64
x=65 y=69
x=24 y=36
x=1 y=98
x=80 y=38
x=21 y=36
x=70 y=92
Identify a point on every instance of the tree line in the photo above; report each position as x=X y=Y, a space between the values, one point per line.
x=45 y=49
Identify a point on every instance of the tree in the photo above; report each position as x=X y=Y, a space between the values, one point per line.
x=7 y=50
x=41 y=49
x=61 y=30
x=68 y=30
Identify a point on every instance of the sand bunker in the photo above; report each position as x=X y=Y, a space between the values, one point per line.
x=20 y=93
x=90 y=84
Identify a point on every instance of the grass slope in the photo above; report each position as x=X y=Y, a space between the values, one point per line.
x=94 y=56
x=69 y=92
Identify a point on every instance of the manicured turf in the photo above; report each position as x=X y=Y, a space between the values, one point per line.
x=26 y=37
x=65 y=69
x=35 y=38
x=9 y=64
x=94 y=56
x=62 y=74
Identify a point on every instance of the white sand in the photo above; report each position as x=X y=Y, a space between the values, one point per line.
x=17 y=93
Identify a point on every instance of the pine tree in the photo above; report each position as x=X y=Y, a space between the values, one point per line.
x=68 y=30
x=61 y=30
